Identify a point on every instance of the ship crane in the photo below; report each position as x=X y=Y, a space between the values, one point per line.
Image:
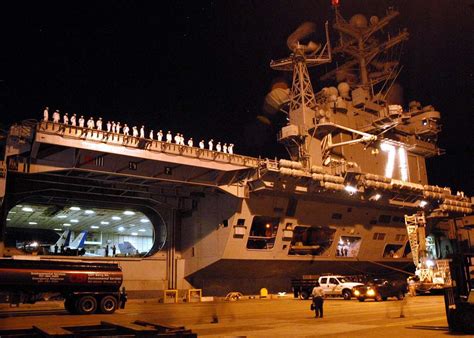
x=432 y=273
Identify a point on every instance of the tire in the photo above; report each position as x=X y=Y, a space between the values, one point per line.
x=361 y=299
x=384 y=298
x=400 y=295
x=86 y=305
x=70 y=305
x=346 y=294
x=108 y=304
x=304 y=295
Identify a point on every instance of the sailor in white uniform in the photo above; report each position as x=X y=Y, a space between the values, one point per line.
x=46 y=114
x=81 y=121
x=218 y=147
x=114 y=127
x=99 y=123
x=109 y=126
x=190 y=142
x=169 y=137
x=201 y=144
x=56 y=116
x=134 y=131
x=73 y=120
x=224 y=148
x=142 y=132
x=65 y=119
x=126 y=130
x=211 y=144
x=118 y=127
x=230 y=148
x=151 y=134
x=160 y=135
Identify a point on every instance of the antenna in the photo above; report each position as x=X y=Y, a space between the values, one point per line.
x=303 y=108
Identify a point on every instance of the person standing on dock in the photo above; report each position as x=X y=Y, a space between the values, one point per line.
x=318 y=300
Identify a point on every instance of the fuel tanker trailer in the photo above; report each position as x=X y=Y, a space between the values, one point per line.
x=86 y=287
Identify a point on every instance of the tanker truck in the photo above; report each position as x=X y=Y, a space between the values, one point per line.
x=86 y=287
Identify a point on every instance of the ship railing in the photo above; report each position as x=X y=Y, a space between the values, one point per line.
x=102 y=136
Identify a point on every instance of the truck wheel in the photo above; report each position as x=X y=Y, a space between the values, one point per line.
x=384 y=298
x=108 y=304
x=69 y=305
x=346 y=294
x=361 y=299
x=400 y=295
x=86 y=305
x=304 y=295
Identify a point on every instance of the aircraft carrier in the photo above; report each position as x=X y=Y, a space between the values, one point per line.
x=226 y=222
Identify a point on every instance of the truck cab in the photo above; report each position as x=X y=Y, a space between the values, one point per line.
x=337 y=286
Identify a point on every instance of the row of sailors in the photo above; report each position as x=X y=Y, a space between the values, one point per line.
x=116 y=127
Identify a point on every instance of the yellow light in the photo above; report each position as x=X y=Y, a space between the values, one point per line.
x=356 y=293
x=267 y=225
x=370 y=292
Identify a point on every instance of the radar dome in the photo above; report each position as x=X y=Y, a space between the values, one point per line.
x=374 y=20
x=358 y=21
x=344 y=89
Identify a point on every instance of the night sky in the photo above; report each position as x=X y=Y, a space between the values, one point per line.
x=202 y=67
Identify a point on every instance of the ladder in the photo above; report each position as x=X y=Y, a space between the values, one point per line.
x=412 y=223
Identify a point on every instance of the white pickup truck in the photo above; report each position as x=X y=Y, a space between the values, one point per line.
x=333 y=285
x=337 y=286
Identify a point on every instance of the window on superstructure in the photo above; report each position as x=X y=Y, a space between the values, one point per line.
x=385 y=219
x=400 y=237
x=241 y=221
x=379 y=236
x=309 y=240
x=393 y=251
x=348 y=246
x=263 y=232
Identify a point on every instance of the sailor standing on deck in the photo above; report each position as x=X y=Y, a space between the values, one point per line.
x=230 y=148
x=190 y=142
x=56 y=116
x=118 y=127
x=109 y=126
x=169 y=137
x=114 y=128
x=159 y=135
x=73 y=120
x=134 y=131
x=142 y=132
x=99 y=123
x=46 y=114
x=90 y=123
x=151 y=134
x=65 y=119
x=126 y=130
x=218 y=147
x=176 y=139
x=81 y=121
x=201 y=144
x=224 y=148
x=211 y=144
